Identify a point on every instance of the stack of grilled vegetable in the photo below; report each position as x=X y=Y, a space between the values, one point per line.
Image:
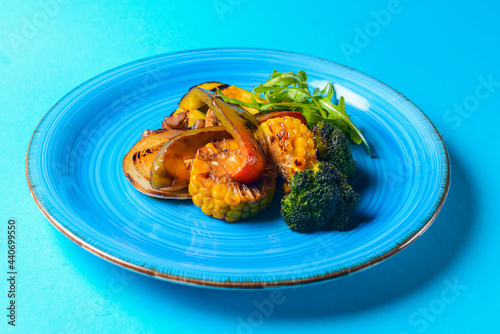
x=228 y=157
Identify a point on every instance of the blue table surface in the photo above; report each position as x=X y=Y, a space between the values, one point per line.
x=443 y=56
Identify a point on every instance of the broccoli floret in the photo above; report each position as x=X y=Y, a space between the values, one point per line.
x=333 y=146
x=320 y=198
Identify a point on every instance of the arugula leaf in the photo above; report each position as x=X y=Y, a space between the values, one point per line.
x=290 y=91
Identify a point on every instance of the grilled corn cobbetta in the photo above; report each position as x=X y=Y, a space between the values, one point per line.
x=291 y=145
x=217 y=193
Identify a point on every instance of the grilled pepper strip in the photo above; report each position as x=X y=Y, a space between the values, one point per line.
x=248 y=166
x=169 y=167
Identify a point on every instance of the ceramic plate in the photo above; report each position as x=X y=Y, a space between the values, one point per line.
x=75 y=176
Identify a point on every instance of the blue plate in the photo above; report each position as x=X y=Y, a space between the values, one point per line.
x=75 y=176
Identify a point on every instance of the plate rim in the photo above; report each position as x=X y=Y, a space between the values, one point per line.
x=407 y=240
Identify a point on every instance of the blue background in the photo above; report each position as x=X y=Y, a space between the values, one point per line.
x=440 y=56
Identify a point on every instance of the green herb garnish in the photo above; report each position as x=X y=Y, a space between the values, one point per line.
x=290 y=91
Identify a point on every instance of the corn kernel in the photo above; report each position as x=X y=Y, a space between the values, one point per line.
x=208 y=202
x=194 y=181
x=231 y=219
x=253 y=205
x=238 y=207
x=300 y=151
x=311 y=143
x=300 y=142
x=199 y=178
x=205 y=191
x=218 y=215
x=220 y=209
x=232 y=213
x=301 y=163
x=192 y=189
x=198 y=199
x=220 y=203
x=200 y=166
x=219 y=191
x=233 y=196
x=206 y=210
x=275 y=127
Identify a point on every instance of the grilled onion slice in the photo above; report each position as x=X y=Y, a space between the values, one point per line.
x=137 y=166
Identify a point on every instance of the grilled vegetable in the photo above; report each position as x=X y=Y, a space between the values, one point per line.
x=241 y=94
x=196 y=109
x=192 y=116
x=215 y=191
x=176 y=121
x=137 y=162
x=171 y=164
x=248 y=165
x=333 y=146
x=291 y=145
x=190 y=102
x=320 y=198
